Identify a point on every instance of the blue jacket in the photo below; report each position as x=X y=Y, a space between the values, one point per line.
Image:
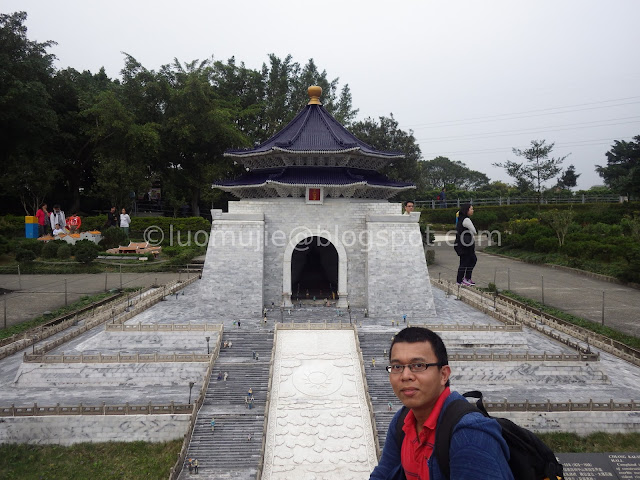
x=477 y=450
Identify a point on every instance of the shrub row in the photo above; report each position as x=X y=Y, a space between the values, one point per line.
x=486 y=216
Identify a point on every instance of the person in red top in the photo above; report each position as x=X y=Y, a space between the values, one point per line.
x=42 y=216
x=73 y=223
x=419 y=375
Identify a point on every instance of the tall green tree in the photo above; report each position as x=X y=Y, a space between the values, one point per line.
x=28 y=123
x=442 y=172
x=384 y=134
x=622 y=172
x=538 y=167
x=569 y=178
x=198 y=127
x=123 y=149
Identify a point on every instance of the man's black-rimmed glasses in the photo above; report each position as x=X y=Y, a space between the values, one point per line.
x=414 y=367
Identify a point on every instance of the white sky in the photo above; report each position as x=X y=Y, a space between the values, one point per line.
x=471 y=78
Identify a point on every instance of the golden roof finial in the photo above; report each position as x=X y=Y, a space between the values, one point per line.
x=314 y=95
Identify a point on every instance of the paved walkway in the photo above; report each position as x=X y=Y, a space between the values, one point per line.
x=569 y=291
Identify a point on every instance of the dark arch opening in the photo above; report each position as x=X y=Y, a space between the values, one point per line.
x=314 y=269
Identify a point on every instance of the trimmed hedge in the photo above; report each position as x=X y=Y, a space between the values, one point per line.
x=485 y=216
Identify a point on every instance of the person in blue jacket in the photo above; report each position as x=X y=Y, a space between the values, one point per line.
x=419 y=375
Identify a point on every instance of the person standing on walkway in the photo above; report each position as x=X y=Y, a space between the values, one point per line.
x=465 y=246
x=213 y=424
x=195 y=465
x=125 y=221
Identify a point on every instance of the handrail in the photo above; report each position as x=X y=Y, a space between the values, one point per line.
x=123 y=311
x=267 y=405
x=496 y=308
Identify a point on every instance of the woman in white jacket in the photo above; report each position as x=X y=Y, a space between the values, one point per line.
x=125 y=221
x=465 y=246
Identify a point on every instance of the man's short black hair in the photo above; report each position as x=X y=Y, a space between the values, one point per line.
x=408 y=202
x=421 y=334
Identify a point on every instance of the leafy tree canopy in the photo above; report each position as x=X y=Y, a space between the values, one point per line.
x=442 y=172
x=537 y=169
x=385 y=135
x=622 y=172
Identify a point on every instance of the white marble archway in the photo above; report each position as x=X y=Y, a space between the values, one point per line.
x=342 y=265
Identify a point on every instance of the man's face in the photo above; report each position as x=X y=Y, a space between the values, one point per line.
x=417 y=390
x=408 y=207
x=113 y=209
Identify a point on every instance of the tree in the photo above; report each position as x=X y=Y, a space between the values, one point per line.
x=28 y=123
x=539 y=168
x=569 y=178
x=198 y=126
x=559 y=221
x=622 y=172
x=123 y=149
x=441 y=172
x=385 y=135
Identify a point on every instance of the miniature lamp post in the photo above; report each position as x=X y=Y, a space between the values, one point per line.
x=191 y=384
x=207 y=339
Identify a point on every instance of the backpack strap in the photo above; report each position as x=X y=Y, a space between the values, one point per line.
x=449 y=419
x=399 y=432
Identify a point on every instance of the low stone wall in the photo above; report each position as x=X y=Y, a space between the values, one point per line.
x=68 y=430
x=574 y=422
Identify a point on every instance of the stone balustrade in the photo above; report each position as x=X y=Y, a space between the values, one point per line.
x=509 y=314
x=123 y=311
x=164 y=327
x=524 y=357
x=19 y=342
x=104 y=409
x=590 y=406
x=469 y=328
x=117 y=358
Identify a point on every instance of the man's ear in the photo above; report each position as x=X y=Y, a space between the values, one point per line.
x=445 y=373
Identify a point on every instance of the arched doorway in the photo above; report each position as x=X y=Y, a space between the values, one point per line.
x=314 y=269
x=322 y=237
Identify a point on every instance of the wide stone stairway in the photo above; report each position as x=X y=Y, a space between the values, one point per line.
x=233 y=449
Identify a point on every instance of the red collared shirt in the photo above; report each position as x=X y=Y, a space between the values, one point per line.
x=416 y=449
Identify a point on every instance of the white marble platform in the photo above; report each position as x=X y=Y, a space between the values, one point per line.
x=319 y=422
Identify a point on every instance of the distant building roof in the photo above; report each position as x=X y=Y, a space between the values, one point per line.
x=314 y=137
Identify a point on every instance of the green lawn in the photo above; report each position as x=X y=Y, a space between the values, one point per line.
x=89 y=461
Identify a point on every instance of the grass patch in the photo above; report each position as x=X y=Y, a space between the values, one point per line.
x=75 y=306
x=594 y=443
x=90 y=461
x=609 y=332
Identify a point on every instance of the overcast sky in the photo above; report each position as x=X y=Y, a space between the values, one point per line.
x=472 y=79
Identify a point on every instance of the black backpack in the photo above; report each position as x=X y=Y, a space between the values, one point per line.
x=530 y=458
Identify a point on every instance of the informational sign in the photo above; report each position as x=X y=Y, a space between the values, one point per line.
x=600 y=466
x=314 y=195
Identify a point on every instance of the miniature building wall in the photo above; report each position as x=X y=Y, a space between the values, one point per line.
x=397 y=276
x=249 y=261
x=232 y=277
